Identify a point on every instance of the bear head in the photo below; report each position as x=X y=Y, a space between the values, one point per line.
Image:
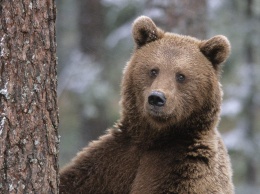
x=172 y=81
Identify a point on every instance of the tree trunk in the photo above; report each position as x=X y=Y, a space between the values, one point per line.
x=250 y=105
x=91 y=28
x=92 y=33
x=29 y=115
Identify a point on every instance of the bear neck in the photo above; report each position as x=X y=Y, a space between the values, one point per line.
x=198 y=126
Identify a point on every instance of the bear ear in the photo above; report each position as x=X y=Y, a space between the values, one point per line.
x=144 y=31
x=216 y=49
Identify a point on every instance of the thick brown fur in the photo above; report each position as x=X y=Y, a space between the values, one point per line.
x=174 y=148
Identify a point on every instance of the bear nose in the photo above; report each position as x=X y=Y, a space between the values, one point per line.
x=156 y=99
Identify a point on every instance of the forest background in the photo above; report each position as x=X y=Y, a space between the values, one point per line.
x=94 y=43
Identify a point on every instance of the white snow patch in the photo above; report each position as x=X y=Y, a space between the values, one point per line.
x=233 y=139
x=30 y=5
x=36 y=142
x=155 y=13
x=238 y=140
x=11 y=187
x=213 y=4
x=4 y=91
x=231 y=107
x=120 y=33
x=3 y=52
x=2 y=124
x=118 y=3
x=79 y=74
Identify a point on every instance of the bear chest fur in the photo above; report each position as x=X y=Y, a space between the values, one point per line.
x=174 y=169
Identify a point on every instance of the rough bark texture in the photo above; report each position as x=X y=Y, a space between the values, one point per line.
x=29 y=116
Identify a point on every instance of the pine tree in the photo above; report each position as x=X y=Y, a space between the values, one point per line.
x=28 y=109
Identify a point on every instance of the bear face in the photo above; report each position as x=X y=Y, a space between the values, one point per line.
x=173 y=80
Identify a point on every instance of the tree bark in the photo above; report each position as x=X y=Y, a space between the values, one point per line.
x=29 y=115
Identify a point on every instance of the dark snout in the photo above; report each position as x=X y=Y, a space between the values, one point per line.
x=157 y=98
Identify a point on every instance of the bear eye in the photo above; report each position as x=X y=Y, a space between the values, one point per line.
x=154 y=72
x=180 y=77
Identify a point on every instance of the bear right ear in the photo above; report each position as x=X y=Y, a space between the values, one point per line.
x=144 y=31
x=216 y=49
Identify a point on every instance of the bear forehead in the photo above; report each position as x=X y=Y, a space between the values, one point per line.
x=175 y=50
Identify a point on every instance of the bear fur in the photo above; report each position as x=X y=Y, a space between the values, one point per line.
x=166 y=140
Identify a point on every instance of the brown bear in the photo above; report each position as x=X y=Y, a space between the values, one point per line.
x=166 y=140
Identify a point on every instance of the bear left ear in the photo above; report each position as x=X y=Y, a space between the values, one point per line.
x=216 y=49
x=144 y=31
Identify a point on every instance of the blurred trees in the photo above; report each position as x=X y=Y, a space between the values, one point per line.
x=184 y=17
x=249 y=106
x=91 y=44
x=241 y=108
x=94 y=40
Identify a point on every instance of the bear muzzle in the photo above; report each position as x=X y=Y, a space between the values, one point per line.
x=157 y=98
x=156 y=107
